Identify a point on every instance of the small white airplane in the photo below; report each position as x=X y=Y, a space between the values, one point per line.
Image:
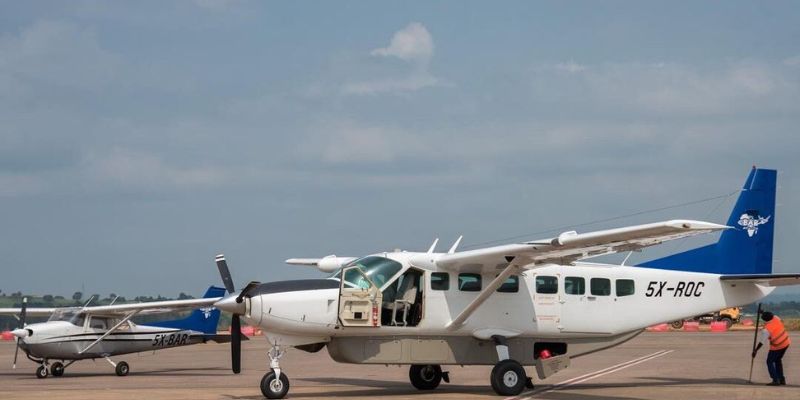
x=535 y=303
x=79 y=333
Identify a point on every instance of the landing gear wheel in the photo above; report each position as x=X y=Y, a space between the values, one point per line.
x=57 y=369
x=122 y=368
x=273 y=388
x=425 y=377
x=508 y=378
x=42 y=372
x=728 y=322
x=676 y=324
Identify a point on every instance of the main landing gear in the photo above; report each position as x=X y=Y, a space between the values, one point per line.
x=427 y=377
x=508 y=376
x=275 y=385
x=121 y=368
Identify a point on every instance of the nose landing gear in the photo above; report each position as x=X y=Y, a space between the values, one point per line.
x=275 y=385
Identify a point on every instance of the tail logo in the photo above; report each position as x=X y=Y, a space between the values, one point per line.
x=751 y=220
x=207 y=310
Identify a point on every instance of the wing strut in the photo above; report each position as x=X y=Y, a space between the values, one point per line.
x=488 y=291
x=100 y=339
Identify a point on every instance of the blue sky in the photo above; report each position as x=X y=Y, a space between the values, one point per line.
x=139 y=139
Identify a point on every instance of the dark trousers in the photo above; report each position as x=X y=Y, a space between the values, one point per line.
x=775 y=365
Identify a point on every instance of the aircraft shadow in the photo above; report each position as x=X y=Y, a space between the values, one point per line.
x=160 y=372
x=568 y=392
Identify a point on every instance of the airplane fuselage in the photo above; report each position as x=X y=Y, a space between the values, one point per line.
x=585 y=306
x=61 y=340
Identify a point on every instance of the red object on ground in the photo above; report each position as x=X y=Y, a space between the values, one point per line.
x=719 y=326
x=248 y=331
x=659 y=328
x=544 y=354
x=690 y=326
x=6 y=335
x=747 y=322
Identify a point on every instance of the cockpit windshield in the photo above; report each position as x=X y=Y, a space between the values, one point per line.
x=72 y=315
x=371 y=268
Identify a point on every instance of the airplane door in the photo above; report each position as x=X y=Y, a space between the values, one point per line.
x=359 y=299
x=546 y=303
x=586 y=303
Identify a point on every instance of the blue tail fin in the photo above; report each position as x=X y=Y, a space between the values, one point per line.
x=744 y=249
x=202 y=320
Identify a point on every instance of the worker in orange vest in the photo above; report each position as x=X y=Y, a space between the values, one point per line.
x=775 y=334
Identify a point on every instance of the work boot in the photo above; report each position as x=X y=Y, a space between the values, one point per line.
x=774 y=383
x=783 y=381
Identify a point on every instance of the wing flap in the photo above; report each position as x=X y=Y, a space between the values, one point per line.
x=764 y=279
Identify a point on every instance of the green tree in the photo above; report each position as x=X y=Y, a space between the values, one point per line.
x=48 y=298
x=77 y=296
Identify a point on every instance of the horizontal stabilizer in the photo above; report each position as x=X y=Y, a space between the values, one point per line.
x=764 y=279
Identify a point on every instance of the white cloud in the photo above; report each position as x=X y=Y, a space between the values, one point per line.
x=56 y=53
x=570 y=67
x=671 y=88
x=410 y=83
x=136 y=169
x=412 y=43
x=792 y=61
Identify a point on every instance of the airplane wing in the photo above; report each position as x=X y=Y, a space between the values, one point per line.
x=569 y=247
x=31 y=311
x=152 y=307
x=764 y=279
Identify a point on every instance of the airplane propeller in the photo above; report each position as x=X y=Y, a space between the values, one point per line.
x=22 y=315
x=236 y=308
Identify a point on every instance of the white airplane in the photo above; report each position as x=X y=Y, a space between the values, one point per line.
x=535 y=303
x=79 y=333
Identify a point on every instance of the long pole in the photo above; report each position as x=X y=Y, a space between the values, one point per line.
x=755 y=339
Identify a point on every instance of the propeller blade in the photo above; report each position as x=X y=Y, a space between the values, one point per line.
x=22 y=315
x=236 y=344
x=225 y=273
x=23 y=312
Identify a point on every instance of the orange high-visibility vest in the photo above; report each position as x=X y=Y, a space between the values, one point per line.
x=778 y=338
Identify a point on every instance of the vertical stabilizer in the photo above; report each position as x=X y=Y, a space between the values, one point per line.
x=746 y=248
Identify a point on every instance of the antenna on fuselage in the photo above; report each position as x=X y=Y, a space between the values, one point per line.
x=455 y=245
x=433 y=246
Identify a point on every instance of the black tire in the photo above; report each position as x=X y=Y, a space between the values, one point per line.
x=122 y=368
x=273 y=388
x=42 y=372
x=728 y=322
x=57 y=369
x=425 y=377
x=676 y=324
x=508 y=378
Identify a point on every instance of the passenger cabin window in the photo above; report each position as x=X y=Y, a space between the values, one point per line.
x=511 y=285
x=440 y=281
x=600 y=286
x=574 y=285
x=98 y=323
x=469 y=282
x=625 y=287
x=546 y=284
